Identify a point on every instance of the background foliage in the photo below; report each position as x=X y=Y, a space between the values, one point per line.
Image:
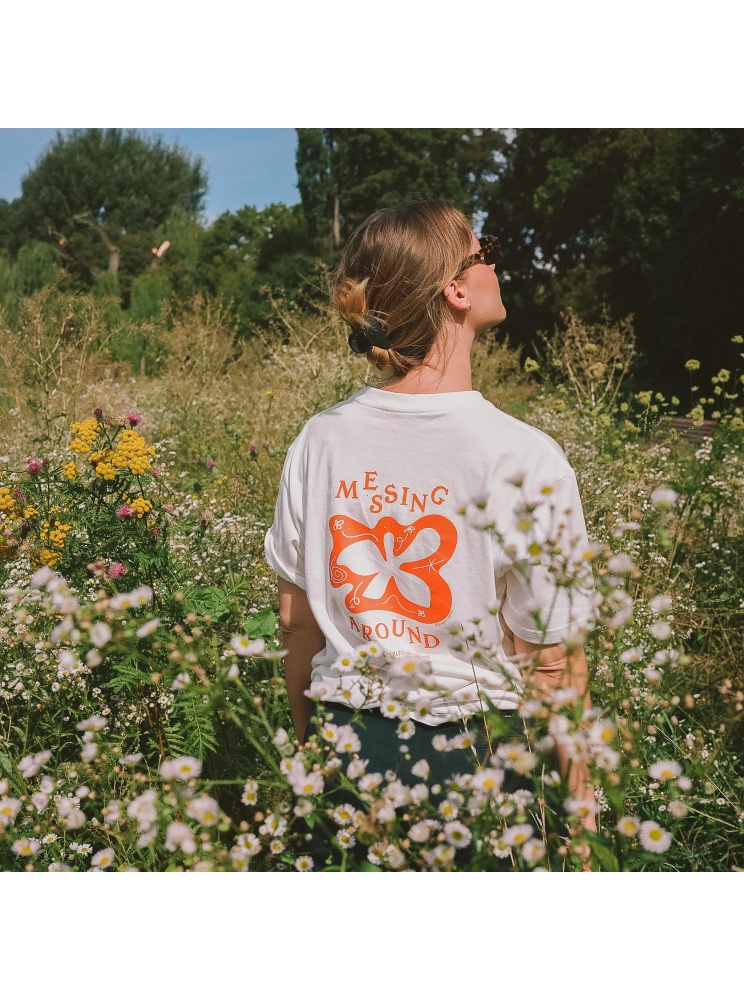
x=608 y=222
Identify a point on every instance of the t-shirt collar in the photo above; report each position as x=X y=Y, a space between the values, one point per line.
x=416 y=402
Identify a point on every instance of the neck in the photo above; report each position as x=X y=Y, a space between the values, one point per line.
x=447 y=369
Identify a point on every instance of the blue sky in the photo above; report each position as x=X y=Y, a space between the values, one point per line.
x=245 y=166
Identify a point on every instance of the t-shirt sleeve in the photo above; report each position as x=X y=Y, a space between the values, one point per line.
x=547 y=591
x=284 y=543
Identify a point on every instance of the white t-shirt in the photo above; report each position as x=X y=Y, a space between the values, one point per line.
x=379 y=518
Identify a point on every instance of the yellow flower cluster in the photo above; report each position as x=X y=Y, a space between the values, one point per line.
x=132 y=450
x=7 y=503
x=140 y=506
x=56 y=534
x=131 y=453
x=87 y=432
x=104 y=463
x=70 y=470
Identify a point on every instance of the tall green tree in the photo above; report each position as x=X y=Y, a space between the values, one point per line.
x=92 y=187
x=345 y=174
x=643 y=221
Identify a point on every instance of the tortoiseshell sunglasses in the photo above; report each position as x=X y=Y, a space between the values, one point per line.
x=490 y=253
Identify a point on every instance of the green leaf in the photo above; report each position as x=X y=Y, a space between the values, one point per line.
x=605 y=856
x=367 y=866
x=207 y=600
x=261 y=624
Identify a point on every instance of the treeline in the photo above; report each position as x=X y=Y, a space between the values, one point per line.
x=607 y=222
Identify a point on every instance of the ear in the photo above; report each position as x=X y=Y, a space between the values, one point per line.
x=456 y=294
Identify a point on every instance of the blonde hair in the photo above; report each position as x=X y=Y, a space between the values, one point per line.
x=395 y=266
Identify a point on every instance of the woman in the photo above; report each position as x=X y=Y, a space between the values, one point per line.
x=369 y=540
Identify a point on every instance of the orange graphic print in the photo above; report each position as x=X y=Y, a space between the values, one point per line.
x=371 y=561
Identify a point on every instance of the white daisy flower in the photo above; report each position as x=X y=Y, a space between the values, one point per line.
x=103 y=858
x=329 y=732
x=345 y=839
x=25 y=848
x=306 y=784
x=75 y=819
x=654 y=837
x=440 y=742
x=678 y=809
x=243 y=645
x=304 y=863
x=665 y=770
x=457 y=834
x=419 y=793
x=662 y=496
x=204 y=810
x=621 y=564
x=58 y=866
x=368 y=782
x=143 y=809
x=275 y=826
x=390 y=709
x=660 y=603
x=393 y=857
x=28 y=766
x=602 y=731
x=628 y=826
x=240 y=858
x=448 y=809
x=148 y=627
x=406 y=730
x=533 y=850
x=250 y=843
x=421 y=769
x=517 y=834
x=356 y=768
x=94 y=724
x=684 y=783
x=343 y=664
x=343 y=814
x=580 y=807
x=488 y=780
x=660 y=630
x=632 y=655
x=180 y=768
x=376 y=853
x=250 y=793
x=347 y=740
x=100 y=634
x=652 y=675
x=421 y=831
x=607 y=758
x=179 y=835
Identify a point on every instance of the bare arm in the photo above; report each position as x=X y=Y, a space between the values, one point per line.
x=302 y=639
x=554 y=669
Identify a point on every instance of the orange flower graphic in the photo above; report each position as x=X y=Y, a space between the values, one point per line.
x=394 y=567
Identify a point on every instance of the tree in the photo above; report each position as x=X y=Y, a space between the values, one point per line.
x=346 y=174
x=91 y=187
x=643 y=221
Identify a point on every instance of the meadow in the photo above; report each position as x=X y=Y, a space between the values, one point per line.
x=143 y=716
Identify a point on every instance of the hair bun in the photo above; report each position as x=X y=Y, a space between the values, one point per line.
x=371 y=334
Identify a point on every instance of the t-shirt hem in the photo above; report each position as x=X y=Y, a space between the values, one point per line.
x=544 y=637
